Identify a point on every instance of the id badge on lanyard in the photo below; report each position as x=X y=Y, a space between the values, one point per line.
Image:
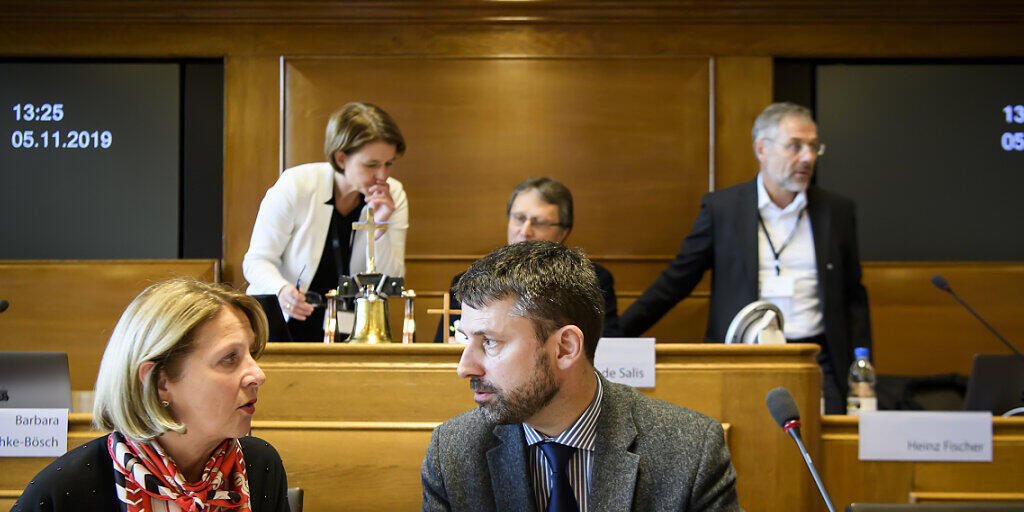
x=778 y=285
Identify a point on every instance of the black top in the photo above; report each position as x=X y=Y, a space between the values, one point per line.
x=83 y=479
x=328 y=272
x=604 y=280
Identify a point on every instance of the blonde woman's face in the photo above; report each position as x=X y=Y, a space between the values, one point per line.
x=369 y=166
x=215 y=394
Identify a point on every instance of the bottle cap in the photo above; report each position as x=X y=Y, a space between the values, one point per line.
x=861 y=352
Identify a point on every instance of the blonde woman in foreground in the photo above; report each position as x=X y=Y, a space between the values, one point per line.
x=177 y=388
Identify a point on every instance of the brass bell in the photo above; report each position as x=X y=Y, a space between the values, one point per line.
x=371 y=324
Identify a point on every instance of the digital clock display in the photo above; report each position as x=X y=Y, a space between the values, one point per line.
x=932 y=152
x=44 y=112
x=90 y=160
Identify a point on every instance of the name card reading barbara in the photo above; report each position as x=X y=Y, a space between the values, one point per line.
x=628 y=361
x=926 y=436
x=33 y=432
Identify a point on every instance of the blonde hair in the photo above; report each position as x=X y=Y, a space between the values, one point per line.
x=356 y=125
x=159 y=326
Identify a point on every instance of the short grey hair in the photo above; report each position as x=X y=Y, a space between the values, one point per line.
x=160 y=326
x=767 y=123
x=551 y=191
x=550 y=284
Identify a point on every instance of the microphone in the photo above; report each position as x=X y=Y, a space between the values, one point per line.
x=4 y=305
x=784 y=411
x=941 y=283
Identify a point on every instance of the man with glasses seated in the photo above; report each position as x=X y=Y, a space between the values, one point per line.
x=776 y=238
x=541 y=209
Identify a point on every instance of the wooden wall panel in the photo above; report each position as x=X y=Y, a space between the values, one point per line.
x=920 y=330
x=72 y=306
x=254 y=35
x=743 y=87
x=628 y=136
x=917 y=329
x=250 y=134
x=685 y=323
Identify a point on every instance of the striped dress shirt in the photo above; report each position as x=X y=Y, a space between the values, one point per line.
x=582 y=436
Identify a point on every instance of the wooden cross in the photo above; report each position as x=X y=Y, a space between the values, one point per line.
x=370 y=226
x=446 y=312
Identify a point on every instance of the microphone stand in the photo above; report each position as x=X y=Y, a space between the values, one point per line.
x=793 y=429
x=982 y=320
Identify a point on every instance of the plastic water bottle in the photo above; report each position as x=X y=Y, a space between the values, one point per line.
x=862 y=384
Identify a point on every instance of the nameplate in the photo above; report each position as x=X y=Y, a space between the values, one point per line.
x=628 y=361
x=926 y=436
x=33 y=432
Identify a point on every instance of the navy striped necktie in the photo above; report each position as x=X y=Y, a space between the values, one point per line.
x=562 y=498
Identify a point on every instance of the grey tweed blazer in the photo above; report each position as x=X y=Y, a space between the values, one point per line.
x=650 y=455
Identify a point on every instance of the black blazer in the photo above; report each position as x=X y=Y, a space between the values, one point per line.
x=605 y=281
x=83 y=479
x=724 y=240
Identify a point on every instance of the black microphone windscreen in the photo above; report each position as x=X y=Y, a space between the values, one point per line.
x=4 y=305
x=782 y=406
x=940 y=282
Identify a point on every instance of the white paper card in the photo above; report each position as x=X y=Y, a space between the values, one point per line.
x=778 y=287
x=628 y=361
x=346 y=320
x=33 y=432
x=926 y=436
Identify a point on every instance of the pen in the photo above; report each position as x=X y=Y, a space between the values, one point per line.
x=299 y=279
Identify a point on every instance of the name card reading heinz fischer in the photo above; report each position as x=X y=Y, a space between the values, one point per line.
x=628 y=361
x=926 y=436
x=33 y=432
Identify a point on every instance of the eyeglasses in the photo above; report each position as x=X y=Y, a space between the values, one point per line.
x=794 y=148
x=519 y=219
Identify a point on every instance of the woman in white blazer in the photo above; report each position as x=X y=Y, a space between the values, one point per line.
x=303 y=238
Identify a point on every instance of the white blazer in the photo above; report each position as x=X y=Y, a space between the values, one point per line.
x=291 y=229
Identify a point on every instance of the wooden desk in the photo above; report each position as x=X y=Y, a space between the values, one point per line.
x=359 y=396
x=352 y=422
x=849 y=480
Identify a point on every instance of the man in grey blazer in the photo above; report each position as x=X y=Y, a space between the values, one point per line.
x=551 y=433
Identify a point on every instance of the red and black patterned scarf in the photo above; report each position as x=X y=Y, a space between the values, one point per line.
x=143 y=472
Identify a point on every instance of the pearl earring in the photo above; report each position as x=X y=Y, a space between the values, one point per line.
x=165 y=404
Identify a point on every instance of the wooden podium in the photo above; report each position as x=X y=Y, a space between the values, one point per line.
x=352 y=422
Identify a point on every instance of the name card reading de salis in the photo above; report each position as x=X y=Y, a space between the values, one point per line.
x=628 y=361
x=926 y=436
x=33 y=432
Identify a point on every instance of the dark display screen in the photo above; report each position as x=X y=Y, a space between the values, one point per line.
x=933 y=154
x=91 y=165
